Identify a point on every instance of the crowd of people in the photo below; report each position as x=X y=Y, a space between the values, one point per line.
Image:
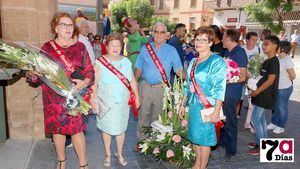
x=149 y=65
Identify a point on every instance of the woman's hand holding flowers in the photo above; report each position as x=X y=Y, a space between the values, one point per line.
x=79 y=84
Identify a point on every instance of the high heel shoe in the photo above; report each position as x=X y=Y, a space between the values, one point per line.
x=83 y=166
x=106 y=161
x=61 y=161
x=121 y=160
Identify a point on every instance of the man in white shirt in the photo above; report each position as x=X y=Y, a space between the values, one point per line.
x=83 y=27
x=282 y=36
x=295 y=38
x=251 y=48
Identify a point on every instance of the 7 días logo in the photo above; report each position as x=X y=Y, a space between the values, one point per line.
x=277 y=150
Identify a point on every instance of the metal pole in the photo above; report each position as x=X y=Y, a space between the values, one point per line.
x=240 y=11
x=2 y=116
x=202 y=14
x=99 y=17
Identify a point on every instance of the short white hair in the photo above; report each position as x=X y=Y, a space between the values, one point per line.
x=79 y=9
x=81 y=21
x=160 y=24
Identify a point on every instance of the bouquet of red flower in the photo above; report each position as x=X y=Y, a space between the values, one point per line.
x=233 y=71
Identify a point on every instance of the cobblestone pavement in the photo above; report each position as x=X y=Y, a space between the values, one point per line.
x=43 y=154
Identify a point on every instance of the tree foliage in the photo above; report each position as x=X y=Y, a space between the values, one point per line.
x=118 y=11
x=169 y=24
x=141 y=10
x=269 y=13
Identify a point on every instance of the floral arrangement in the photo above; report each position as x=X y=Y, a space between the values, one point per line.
x=233 y=71
x=254 y=66
x=167 y=139
x=26 y=57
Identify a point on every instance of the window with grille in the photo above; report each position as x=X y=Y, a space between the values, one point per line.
x=176 y=4
x=152 y=2
x=161 y=4
x=193 y=3
x=192 y=19
x=229 y=2
x=175 y=20
x=218 y=3
x=192 y=27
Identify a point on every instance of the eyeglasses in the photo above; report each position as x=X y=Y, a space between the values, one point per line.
x=202 y=41
x=64 y=25
x=159 y=32
x=97 y=39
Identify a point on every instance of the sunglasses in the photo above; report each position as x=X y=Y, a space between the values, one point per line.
x=159 y=32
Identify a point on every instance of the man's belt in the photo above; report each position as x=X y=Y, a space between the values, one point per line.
x=133 y=53
x=155 y=85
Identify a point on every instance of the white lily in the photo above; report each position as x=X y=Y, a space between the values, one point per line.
x=161 y=136
x=176 y=97
x=167 y=91
x=186 y=151
x=159 y=119
x=144 y=147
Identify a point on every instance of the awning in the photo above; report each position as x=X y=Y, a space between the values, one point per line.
x=290 y=18
x=293 y=15
x=285 y=23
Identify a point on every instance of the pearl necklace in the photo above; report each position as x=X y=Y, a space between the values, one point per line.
x=117 y=64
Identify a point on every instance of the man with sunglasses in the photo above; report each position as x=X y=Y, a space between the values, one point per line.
x=155 y=73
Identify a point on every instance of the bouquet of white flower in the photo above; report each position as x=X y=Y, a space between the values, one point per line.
x=254 y=67
x=167 y=139
x=27 y=57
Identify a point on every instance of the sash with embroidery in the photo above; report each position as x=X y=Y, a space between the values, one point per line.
x=197 y=88
x=124 y=80
x=158 y=64
x=70 y=68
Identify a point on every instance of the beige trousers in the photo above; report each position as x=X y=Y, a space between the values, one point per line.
x=151 y=98
x=294 y=47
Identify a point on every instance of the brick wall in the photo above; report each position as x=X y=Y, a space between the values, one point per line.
x=27 y=21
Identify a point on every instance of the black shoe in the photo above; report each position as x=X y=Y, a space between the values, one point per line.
x=213 y=148
x=227 y=158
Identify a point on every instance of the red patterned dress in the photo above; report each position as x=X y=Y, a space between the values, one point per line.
x=56 y=119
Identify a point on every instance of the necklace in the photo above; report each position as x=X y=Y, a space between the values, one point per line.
x=116 y=63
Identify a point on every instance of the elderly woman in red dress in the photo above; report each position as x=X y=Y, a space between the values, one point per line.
x=69 y=53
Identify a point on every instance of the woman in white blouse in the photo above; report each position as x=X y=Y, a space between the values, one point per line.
x=285 y=89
